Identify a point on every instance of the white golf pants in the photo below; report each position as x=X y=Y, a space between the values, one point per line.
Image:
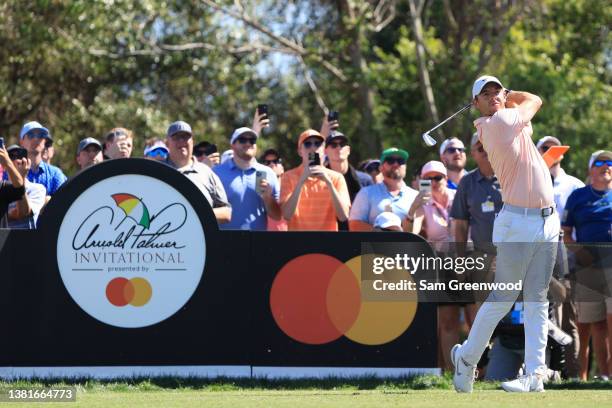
x=523 y=238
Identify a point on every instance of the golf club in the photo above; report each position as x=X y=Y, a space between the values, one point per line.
x=428 y=139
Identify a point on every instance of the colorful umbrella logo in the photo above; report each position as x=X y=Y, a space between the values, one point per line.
x=134 y=208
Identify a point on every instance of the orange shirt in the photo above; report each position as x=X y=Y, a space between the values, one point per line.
x=315 y=209
x=522 y=173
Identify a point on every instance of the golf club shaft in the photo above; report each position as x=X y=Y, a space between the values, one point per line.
x=450 y=117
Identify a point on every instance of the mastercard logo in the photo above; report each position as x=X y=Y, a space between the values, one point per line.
x=316 y=299
x=136 y=292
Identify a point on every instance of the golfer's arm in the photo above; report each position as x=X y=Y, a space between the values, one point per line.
x=527 y=104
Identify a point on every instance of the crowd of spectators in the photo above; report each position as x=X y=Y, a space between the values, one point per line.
x=444 y=203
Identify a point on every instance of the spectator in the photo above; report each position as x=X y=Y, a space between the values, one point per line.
x=207 y=153
x=251 y=203
x=452 y=154
x=588 y=213
x=12 y=191
x=33 y=137
x=119 y=143
x=563 y=186
x=272 y=159
x=312 y=196
x=23 y=214
x=338 y=150
x=372 y=168
x=179 y=139
x=89 y=152
x=431 y=220
x=155 y=149
x=392 y=195
x=388 y=221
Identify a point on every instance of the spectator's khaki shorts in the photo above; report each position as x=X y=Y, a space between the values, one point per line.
x=595 y=311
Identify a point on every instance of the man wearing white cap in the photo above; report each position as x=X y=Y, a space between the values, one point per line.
x=387 y=221
x=179 y=140
x=252 y=188
x=452 y=154
x=33 y=137
x=526 y=232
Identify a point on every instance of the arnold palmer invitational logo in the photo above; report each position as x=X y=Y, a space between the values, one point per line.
x=131 y=251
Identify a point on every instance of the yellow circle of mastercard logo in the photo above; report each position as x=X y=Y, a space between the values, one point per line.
x=136 y=292
x=316 y=299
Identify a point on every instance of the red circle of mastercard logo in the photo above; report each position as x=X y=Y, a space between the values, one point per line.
x=316 y=299
x=136 y=292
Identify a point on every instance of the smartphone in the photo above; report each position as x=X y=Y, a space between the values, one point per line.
x=553 y=154
x=332 y=115
x=1 y=143
x=425 y=186
x=259 y=175
x=314 y=159
x=262 y=109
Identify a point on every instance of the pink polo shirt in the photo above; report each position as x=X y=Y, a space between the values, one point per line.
x=520 y=169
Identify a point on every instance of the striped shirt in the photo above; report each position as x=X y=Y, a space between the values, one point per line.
x=315 y=208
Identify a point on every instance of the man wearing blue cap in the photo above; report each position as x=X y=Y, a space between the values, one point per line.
x=33 y=137
x=179 y=139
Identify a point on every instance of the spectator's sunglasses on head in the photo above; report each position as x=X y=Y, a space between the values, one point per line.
x=245 y=140
x=393 y=159
x=335 y=145
x=158 y=153
x=372 y=167
x=434 y=178
x=599 y=163
x=309 y=143
x=454 y=150
x=278 y=160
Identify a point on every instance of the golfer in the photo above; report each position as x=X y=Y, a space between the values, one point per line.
x=523 y=232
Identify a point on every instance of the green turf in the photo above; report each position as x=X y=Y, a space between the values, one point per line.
x=333 y=392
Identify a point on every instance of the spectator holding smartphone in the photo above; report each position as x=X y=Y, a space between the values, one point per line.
x=12 y=191
x=23 y=214
x=313 y=198
x=252 y=188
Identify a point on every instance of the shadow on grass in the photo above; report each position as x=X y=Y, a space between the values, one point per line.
x=237 y=384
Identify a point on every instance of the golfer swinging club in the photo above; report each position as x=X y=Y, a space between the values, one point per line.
x=523 y=232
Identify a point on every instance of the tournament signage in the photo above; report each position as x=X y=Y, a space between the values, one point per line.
x=131 y=250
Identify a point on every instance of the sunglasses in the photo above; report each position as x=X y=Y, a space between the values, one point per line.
x=308 y=144
x=544 y=148
x=182 y=136
x=454 y=149
x=393 y=160
x=245 y=140
x=434 y=178
x=269 y=162
x=480 y=149
x=35 y=135
x=599 y=163
x=158 y=153
x=337 y=145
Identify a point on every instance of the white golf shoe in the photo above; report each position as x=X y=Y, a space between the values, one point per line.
x=525 y=383
x=463 y=378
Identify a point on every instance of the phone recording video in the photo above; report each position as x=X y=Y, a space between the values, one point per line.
x=262 y=109
x=314 y=159
x=425 y=186
x=332 y=115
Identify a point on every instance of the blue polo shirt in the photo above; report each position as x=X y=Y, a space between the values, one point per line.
x=372 y=200
x=248 y=209
x=49 y=176
x=589 y=212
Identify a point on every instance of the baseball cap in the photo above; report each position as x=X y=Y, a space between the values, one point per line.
x=387 y=219
x=16 y=151
x=178 y=126
x=30 y=126
x=242 y=131
x=206 y=148
x=371 y=165
x=308 y=133
x=481 y=82
x=335 y=135
x=157 y=145
x=394 y=151
x=434 y=166
x=87 y=142
x=448 y=142
x=547 y=139
x=600 y=154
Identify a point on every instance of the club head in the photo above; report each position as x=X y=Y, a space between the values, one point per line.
x=429 y=141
